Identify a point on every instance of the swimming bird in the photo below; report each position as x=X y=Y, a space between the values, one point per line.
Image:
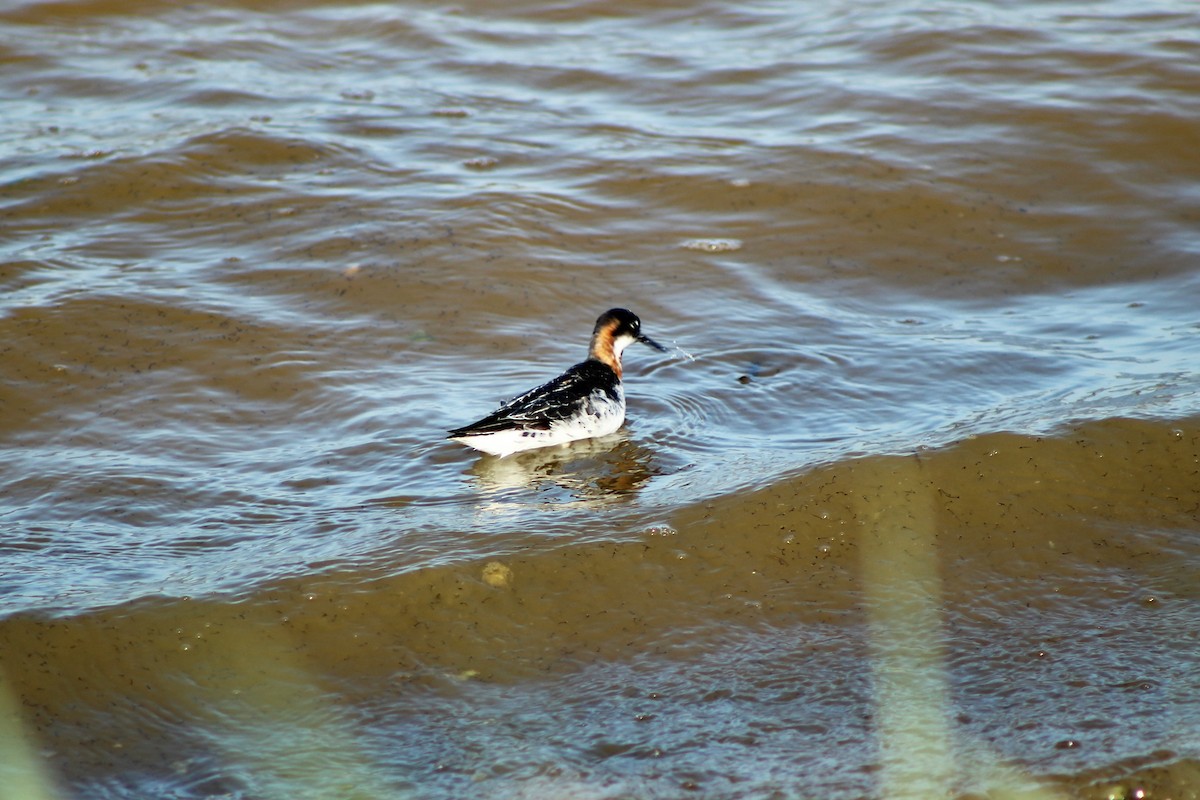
x=585 y=401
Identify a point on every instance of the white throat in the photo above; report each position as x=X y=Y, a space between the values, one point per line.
x=620 y=343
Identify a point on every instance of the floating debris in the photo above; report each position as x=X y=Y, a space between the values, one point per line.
x=497 y=575
x=481 y=162
x=713 y=245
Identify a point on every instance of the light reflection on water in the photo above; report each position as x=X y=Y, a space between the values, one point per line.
x=258 y=261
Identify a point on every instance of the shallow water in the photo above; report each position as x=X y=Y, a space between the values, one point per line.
x=911 y=511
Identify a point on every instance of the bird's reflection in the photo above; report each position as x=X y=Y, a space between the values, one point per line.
x=608 y=469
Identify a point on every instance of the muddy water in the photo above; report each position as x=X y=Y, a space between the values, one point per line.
x=911 y=511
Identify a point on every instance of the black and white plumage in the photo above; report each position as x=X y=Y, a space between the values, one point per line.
x=585 y=401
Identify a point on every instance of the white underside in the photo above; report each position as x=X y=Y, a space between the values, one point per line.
x=610 y=414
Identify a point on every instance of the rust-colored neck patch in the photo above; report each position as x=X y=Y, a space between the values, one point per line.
x=601 y=349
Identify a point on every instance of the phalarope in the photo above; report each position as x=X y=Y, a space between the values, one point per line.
x=585 y=401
